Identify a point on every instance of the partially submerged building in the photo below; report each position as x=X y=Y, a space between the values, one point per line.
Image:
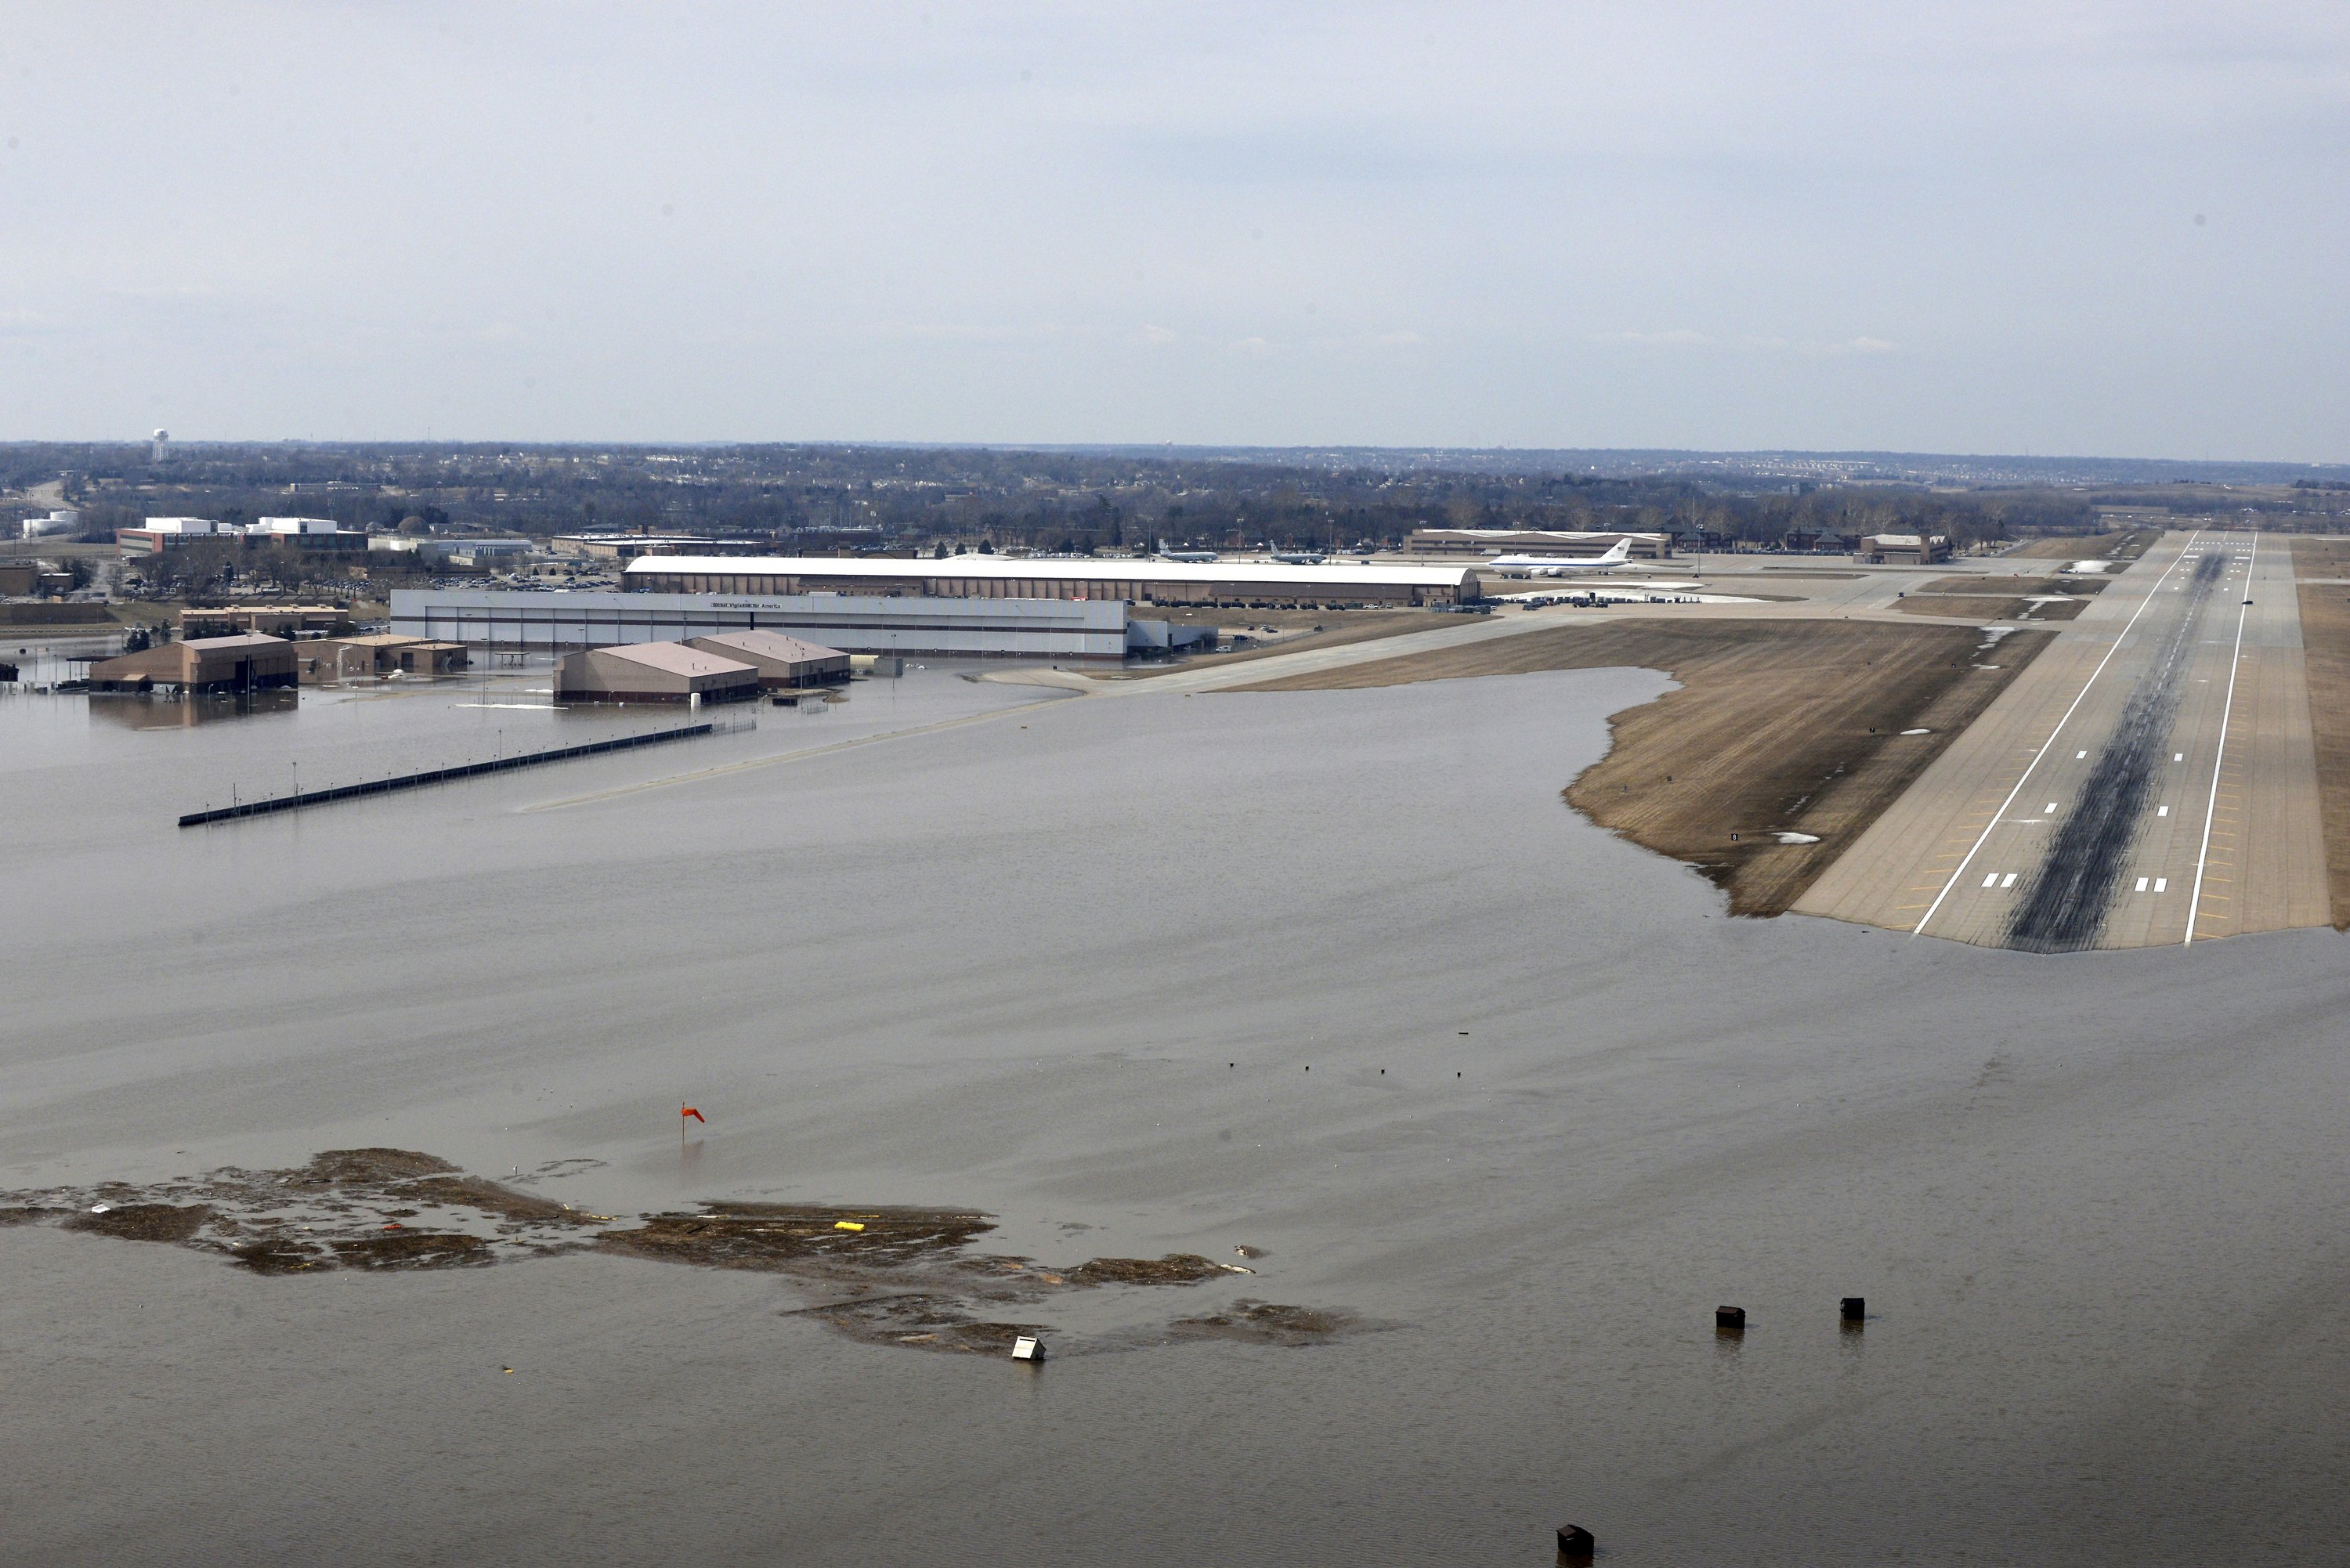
x=783 y=662
x=325 y=660
x=654 y=672
x=204 y=664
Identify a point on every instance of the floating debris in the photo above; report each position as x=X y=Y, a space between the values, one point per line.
x=1268 y=1323
x=903 y=1276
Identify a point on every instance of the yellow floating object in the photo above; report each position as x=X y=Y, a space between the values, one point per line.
x=847 y=1225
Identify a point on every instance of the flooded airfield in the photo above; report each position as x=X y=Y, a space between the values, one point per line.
x=1333 y=977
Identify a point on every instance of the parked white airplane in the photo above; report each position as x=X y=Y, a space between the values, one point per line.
x=1616 y=554
x=1167 y=553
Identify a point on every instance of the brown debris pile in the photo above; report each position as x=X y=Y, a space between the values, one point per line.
x=1267 y=1323
x=144 y=1221
x=1174 y=1269
x=919 y=1321
x=776 y=1236
x=900 y=1276
x=348 y=1208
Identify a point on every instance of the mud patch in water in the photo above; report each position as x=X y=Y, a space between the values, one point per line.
x=920 y=1321
x=901 y=1276
x=348 y=1208
x=774 y=1236
x=1174 y=1269
x=144 y=1221
x=1269 y=1322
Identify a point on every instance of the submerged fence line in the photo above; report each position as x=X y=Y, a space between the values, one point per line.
x=301 y=798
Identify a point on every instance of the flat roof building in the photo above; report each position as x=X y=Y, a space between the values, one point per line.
x=162 y=533
x=242 y=663
x=1132 y=580
x=781 y=661
x=653 y=672
x=1905 y=550
x=277 y=621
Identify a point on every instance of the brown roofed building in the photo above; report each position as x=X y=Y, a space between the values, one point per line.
x=200 y=664
x=781 y=661
x=653 y=672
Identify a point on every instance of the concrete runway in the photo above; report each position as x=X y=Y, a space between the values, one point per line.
x=2152 y=779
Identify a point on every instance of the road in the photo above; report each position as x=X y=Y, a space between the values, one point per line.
x=2152 y=779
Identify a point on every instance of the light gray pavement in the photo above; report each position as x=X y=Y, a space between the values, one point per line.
x=1959 y=853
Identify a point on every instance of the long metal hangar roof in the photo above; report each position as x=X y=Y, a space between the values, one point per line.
x=1337 y=577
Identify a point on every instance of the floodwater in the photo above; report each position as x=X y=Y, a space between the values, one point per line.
x=1070 y=965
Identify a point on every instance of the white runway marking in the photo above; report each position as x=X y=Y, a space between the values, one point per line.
x=2179 y=756
x=2052 y=808
x=2008 y=880
x=2162 y=811
x=1992 y=880
x=2141 y=884
x=2119 y=638
x=2195 y=902
x=2160 y=883
x=2078 y=755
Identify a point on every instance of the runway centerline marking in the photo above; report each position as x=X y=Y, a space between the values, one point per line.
x=2226 y=713
x=2119 y=638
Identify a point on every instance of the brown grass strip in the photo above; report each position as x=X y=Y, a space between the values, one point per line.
x=1985 y=608
x=1779 y=726
x=2321 y=557
x=1987 y=583
x=2325 y=646
x=1962 y=607
x=2070 y=547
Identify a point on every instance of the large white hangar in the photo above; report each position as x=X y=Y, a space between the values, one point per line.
x=553 y=621
x=1126 y=581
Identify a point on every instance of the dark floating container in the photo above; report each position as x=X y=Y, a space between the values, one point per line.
x=1855 y=1308
x=1576 y=1544
x=1733 y=1319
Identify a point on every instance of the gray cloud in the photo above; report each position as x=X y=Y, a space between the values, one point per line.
x=1536 y=224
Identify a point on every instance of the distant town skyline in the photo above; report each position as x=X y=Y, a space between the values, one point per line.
x=2091 y=229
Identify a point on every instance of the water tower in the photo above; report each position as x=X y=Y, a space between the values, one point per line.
x=158 y=446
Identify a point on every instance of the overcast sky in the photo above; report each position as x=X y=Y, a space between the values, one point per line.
x=2091 y=229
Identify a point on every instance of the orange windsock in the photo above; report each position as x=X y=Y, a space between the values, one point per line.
x=697 y=1115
